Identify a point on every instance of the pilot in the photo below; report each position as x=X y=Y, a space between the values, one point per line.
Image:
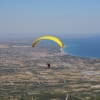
x=48 y=65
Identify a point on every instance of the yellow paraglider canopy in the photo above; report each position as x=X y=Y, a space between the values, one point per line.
x=55 y=39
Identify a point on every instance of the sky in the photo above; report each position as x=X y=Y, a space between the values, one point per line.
x=49 y=17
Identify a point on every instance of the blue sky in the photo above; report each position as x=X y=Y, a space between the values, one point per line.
x=47 y=17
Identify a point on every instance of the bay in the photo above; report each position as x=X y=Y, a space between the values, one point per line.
x=85 y=47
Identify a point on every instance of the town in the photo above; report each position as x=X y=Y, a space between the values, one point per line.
x=24 y=72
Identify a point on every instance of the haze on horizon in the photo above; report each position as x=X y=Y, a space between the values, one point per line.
x=49 y=17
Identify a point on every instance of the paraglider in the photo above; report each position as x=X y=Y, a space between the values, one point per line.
x=55 y=39
x=48 y=65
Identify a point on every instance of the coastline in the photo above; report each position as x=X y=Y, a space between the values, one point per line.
x=87 y=47
x=67 y=53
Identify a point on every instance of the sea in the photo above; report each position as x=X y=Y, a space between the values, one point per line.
x=88 y=46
